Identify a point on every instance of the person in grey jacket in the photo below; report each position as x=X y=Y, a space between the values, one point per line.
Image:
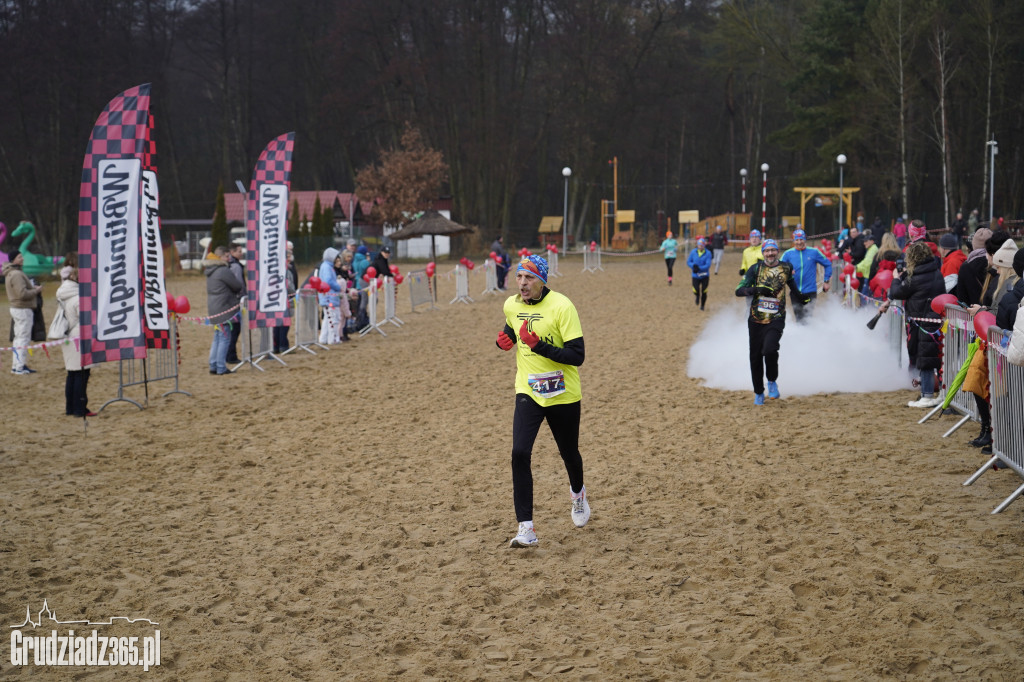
x=222 y=292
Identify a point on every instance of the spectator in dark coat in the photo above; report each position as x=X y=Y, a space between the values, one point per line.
x=878 y=230
x=1006 y=315
x=381 y=264
x=918 y=284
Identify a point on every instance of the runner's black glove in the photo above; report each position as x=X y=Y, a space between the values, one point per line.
x=696 y=269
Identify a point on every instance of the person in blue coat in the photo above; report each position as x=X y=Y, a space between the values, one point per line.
x=700 y=263
x=805 y=264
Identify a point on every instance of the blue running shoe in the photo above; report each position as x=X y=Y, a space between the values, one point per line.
x=773 y=390
x=759 y=398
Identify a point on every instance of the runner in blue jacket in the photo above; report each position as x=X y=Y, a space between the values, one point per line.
x=805 y=264
x=700 y=263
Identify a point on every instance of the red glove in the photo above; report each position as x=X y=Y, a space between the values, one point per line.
x=528 y=337
x=504 y=342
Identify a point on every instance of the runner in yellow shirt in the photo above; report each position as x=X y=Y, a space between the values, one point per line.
x=545 y=330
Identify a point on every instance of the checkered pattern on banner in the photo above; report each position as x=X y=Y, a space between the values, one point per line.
x=120 y=133
x=273 y=168
x=155 y=338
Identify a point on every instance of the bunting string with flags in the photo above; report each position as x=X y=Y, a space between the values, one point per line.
x=266 y=237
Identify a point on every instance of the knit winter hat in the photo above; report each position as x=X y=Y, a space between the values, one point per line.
x=769 y=244
x=1018 y=263
x=948 y=241
x=536 y=266
x=1003 y=258
x=981 y=236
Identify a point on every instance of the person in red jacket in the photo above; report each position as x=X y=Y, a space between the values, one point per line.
x=952 y=258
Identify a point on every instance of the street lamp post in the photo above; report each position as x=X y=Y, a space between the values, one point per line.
x=841 y=160
x=764 y=198
x=566 y=172
x=743 y=190
x=992 y=180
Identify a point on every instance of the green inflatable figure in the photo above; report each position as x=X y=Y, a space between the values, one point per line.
x=35 y=264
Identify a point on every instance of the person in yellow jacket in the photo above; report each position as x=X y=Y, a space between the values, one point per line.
x=752 y=253
x=864 y=266
x=544 y=328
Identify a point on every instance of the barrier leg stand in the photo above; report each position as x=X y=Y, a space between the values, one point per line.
x=957 y=426
x=985 y=467
x=937 y=408
x=1005 y=503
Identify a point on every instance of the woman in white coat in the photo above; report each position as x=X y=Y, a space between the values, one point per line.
x=76 y=385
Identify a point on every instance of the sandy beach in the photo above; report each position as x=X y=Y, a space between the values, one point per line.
x=348 y=516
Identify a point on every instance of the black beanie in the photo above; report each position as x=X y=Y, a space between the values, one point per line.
x=1018 y=262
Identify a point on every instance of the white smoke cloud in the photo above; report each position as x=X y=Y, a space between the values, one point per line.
x=833 y=351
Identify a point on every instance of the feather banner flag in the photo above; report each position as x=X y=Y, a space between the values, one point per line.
x=110 y=270
x=266 y=238
x=154 y=288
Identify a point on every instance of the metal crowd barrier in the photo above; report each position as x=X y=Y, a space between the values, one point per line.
x=491 y=277
x=373 y=324
x=592 y=259
x=160 y=364
x=420 y=289
x=837 y=274
x=306 y=322
x=257 y=344
x=1006 y=394
x=461 y=285
x=390 y=301
x=553 y=270
x=896 y=332
x=959 y=330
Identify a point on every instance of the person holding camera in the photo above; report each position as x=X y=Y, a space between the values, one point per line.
x=765 y=282
x=919 y=280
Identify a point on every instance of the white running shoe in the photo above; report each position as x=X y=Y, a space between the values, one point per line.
x=580 y=507
x=925 y=402
x=526 y=537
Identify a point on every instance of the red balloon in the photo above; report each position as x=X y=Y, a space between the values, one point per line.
x=181 y=305
x=593 y=246
x=371 y=271
x=366 y=277
x=939 y=303
x=393 y=269
x=314 y=282
x=847 y=257
x=380 y=282
x=470 y=264
x=493 y=255
x=854 y=283
x=848 y=269
x=982 y=321
x=498 y=260
x=399 y=279
x=554 y=249
x=170 y=302
x=883 y=279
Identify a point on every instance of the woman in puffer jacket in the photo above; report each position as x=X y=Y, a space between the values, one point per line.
x=918 y=284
